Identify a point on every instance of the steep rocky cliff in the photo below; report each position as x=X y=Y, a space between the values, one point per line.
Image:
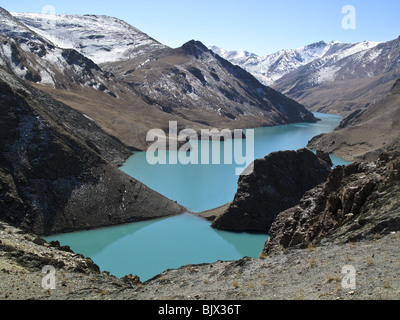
x=277 y=183
x=56 y=173
x=357 y=202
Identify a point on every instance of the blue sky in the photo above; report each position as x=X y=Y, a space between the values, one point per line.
x=258 y=26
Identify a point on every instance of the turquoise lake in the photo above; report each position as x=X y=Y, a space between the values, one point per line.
x=203 y=187
x=149 y=248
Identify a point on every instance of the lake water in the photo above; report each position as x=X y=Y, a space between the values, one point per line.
x=149 y=248
x=203 y=187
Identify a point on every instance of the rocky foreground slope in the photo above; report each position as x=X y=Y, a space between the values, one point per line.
x=308 y=274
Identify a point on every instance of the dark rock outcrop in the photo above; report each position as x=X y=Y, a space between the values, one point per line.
x=277 y=183
x=357 y=202
x=55 y=175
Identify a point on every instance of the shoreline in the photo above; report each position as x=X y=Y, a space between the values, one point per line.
x=212 y=214
x=298 y=274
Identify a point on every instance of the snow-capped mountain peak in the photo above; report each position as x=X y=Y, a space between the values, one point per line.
x=11 y=27
x=271 y=68
x=31 y=56
x=100 y=38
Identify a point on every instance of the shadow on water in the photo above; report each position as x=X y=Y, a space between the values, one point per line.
x=93 y=242
x=149 y=248
x=247 y=244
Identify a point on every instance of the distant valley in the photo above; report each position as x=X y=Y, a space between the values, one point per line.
x=327 y=77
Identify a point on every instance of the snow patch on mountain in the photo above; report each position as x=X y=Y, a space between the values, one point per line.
x=373 y=55
x=355 y=48
x=326 y=74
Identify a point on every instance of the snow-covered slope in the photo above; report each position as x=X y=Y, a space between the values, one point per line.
x=100 y=38
x=14 y=28
x=271 y=68
x=327 y=68
x=32 y=57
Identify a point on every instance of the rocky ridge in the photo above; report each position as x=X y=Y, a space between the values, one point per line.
x=357 y=202
x=365 y=134
x=56 y=173
x=198 y=85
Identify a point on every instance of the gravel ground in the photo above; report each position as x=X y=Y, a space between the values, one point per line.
x=309 y=274
x=314 y=273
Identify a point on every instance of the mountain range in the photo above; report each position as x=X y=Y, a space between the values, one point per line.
x=270 y=68
x=128 y=83
x=327 y=77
